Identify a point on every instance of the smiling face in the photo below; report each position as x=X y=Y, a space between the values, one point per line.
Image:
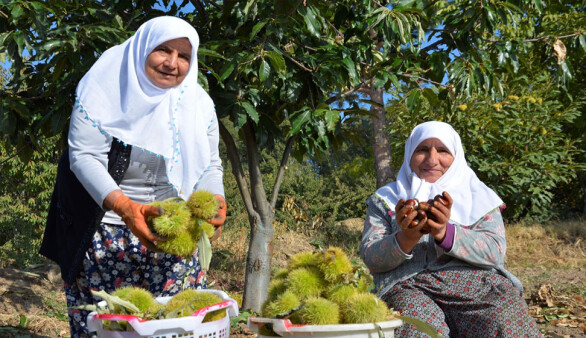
x=431 y=159
x=168 y=64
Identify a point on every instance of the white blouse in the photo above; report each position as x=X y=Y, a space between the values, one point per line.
x=145 y=180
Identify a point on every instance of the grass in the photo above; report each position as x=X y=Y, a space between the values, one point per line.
x=555 y=244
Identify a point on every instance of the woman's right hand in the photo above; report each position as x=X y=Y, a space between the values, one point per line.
x=405 y=214
x=134 y=216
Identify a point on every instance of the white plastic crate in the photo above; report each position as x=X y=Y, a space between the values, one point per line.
x=284 y=327
x=190 y=326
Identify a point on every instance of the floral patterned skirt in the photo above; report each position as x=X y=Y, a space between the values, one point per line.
x=117 y=259
x=462 y=302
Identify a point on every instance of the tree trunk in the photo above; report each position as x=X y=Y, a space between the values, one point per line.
x=258 y=263
x=380 y=139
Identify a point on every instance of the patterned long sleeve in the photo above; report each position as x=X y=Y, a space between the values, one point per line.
x=483 y=243
x=379 y=248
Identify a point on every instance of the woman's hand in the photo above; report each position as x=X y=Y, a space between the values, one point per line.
x=134 y=216
x=410 y=233
x=219 y=219
x=441 y=211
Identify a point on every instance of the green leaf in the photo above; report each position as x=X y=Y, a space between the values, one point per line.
x=257 y=29
x=413 y=99
x=264 y=70
x=566 y=72
x=582 y=40
x=311 y=22
x=277 y=61
x=349 y=64
x=395 y=82
x=209 y=52
x=431 y=97
x=16 y=13
x=204 y=251
x=300 y=121
x=332 y=117
x=18 y=37
x=114 y=301
x=226 y=71
x=250 y=110
x=421 y=326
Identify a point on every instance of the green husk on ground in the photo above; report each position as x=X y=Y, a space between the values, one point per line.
x=324 y=287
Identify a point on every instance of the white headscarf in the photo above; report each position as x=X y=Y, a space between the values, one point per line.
x=122 y=102
x=472 y=198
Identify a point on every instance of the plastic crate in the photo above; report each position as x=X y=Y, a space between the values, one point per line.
x=190 y=326
x=284 y=327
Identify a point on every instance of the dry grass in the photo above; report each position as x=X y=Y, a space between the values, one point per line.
x=556 y=244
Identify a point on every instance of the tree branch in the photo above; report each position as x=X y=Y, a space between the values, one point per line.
x=289 y=57
x=281 y=172
x=236 y=167
x=424 y=79
x=259 y=198
x=543 y=38
x=201 y=9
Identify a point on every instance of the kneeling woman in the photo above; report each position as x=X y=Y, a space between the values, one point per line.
x=448 y=269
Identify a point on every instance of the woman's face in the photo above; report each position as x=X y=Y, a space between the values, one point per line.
x=168 y=64
x=431 y=159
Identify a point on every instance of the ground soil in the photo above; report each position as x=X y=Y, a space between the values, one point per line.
x=32 y=301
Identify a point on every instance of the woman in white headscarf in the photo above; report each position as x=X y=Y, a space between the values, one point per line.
x=446 y=269
x=142 y=129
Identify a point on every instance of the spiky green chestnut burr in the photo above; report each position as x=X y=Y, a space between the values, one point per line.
x=186 y=302
x=339 y=293
x=365 y=283
x=276 y=288
x=304 y=259
x=364 y=308
x=283 y=304
x=319 y=311
x=181 y=244
x=203 y=204
x=175 y=218
x=305 y=282
x=141 y=298
x=281 y=273
x=335 y=264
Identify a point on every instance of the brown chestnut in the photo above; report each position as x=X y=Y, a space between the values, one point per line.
x=413 y=203
x=441 y=199
x=421 y=214
x=424 y=206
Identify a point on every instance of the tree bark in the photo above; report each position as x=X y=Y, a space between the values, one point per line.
x=381 y=148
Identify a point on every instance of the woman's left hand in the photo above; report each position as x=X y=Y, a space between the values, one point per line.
x=219 y=219
x=441 y=213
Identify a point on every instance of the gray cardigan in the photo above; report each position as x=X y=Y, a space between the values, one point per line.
x=481 y=245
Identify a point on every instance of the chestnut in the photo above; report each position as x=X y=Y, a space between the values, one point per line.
x=441 y=199
x=413 y=203
x=424 y=211
x=425 y=206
